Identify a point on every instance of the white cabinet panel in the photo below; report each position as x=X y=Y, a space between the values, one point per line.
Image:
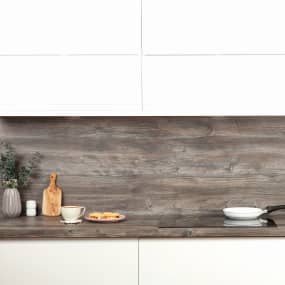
x=69 y=26
x=219 y=26
x=214 y=85
x=69 y=83
x=69 y=262
x=210 y=261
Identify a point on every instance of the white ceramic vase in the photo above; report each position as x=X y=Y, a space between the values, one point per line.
x=11 y=203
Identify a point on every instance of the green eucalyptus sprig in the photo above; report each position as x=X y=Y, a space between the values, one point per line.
x=12 y=174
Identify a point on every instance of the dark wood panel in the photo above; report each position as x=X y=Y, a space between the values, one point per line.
x=153 y=165
x=134 y=227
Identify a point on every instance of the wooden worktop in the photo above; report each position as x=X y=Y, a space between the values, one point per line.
x=135 y=227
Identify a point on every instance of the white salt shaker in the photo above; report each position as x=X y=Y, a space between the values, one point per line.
x=31 y=208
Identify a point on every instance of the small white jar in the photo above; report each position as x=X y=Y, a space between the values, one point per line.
x=31 y=208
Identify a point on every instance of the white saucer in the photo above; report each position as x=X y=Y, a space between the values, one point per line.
x=71 y=222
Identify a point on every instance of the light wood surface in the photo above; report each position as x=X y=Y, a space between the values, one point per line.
x=51 y=204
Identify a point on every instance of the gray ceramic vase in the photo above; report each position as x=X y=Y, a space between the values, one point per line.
x=11 y=203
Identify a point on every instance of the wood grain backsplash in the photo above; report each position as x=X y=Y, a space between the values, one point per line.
x=148 y=165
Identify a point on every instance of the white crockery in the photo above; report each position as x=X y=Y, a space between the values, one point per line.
x=243 y=213
x=71 y=222
x=72 y=213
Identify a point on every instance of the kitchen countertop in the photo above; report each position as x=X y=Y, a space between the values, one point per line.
x=134 y=227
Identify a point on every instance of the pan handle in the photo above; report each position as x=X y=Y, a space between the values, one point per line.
x=270 y=209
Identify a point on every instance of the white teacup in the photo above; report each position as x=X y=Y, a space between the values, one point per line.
x=72 y=213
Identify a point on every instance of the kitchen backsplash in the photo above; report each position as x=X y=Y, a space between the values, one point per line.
x=148 y=165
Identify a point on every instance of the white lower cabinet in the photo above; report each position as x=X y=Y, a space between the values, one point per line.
x=147 y=262
x=212 y=261
x=102 y=262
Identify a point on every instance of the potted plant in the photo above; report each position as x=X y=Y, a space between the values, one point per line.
x=12 y=176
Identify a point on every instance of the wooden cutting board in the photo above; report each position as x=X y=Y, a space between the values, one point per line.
x=52 y=197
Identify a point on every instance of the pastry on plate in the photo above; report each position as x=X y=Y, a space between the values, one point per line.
x=110 y=215
x=104 y=215
x=95 y=215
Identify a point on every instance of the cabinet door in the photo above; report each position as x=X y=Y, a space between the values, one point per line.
x=35 y=84
x=69 y=26
x=219 y=26
x=210 y=261
x=104 y=262
x=214 y=85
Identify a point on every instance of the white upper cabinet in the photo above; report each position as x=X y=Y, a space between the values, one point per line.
x=70 y=57
x=214 y=85
x=213 y=26
x=69 y=26
x=69 y=85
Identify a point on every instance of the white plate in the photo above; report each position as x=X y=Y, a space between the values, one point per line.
x=71 y=222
